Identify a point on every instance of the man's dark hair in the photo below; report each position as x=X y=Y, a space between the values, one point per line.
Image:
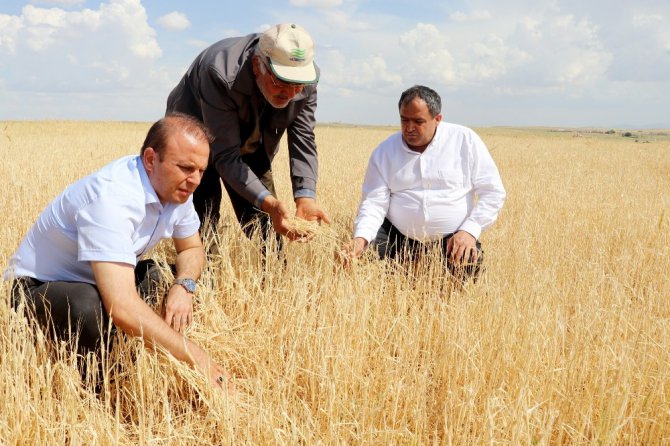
x=427 y=95
x=160 y=131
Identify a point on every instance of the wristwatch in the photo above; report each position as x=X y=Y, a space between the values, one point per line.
x=188 y=284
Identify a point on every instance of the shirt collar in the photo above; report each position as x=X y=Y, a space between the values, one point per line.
x=433 y=142
x=150 y=195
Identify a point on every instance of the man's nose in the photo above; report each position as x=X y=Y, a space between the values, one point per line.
x=195 y=178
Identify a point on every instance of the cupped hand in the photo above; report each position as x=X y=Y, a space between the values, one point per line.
x=281 y=223
x=307 y=209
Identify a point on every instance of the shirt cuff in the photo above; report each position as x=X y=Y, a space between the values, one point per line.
x=304 y=193
x=259 y=200
x=471 y=228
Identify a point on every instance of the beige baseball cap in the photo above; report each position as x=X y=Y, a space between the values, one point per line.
x=291 y=52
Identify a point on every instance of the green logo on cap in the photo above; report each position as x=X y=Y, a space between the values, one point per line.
x=298 y=55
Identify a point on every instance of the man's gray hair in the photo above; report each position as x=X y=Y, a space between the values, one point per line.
x=262 y=58
x=427 y=95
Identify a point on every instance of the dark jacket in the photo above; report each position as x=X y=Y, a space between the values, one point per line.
x=220 y=89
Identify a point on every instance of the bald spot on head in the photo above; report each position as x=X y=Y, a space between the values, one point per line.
x=162 y=130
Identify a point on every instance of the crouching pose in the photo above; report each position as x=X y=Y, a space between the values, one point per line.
x=78 y=265
x=420 y=187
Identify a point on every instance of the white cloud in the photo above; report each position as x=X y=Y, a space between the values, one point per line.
x=343 y=21
x=174 y=21
x=428 y=63
x=454 y=63
x=198 y=43
x=642 y=48
x=563 y=50
x=474 y=16
x=642 y=20
x=317 y=3
x=9 y=30
x=73 y=51
x=536 y=52
x=58 y=2
x=343 y=72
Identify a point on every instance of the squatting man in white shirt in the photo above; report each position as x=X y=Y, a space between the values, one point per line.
x=420 y=188
x=78 y=265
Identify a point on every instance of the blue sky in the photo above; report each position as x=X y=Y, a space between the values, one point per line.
x=564 y=63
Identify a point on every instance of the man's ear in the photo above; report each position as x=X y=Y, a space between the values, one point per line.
x=149 y=158
x=438 y=117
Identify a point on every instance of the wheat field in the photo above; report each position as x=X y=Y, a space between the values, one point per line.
x=565 y=340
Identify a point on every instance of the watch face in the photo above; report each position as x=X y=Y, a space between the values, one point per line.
x=189 y=284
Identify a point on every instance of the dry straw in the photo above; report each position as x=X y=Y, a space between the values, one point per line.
x=564 y=340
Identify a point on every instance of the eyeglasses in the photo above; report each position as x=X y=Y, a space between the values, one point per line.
x=280 y=84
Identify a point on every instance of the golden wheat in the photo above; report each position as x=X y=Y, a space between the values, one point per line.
x=565 y=340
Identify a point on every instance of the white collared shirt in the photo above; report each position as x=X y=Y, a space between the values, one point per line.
x=112 y=215
x=430 y=194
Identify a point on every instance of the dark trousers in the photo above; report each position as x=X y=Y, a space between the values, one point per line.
x=393 y=244
x=74 y=310
x=207 y=197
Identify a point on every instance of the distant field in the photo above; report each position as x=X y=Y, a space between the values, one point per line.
x=566 y=340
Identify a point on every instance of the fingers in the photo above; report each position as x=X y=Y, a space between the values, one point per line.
x=345 y=256
x=303 y=236
x=474 y=255
x=293 y=234
x=460 y=252
x=310 y=211
x=220 y=379
x=323 y=217
x=178 y=320
x=180 y=323
x=456 y=253
x=280 y=220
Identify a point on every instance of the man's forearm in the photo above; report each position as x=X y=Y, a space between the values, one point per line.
x=133 y=316
x=190 y=263
x=136 y=318
x=238 y=175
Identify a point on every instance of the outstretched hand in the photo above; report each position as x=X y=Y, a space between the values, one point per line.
x=280 y=217
x=307 y=209
x=352 y=250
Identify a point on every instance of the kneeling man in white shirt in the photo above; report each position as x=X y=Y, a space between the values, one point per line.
x=431 y=183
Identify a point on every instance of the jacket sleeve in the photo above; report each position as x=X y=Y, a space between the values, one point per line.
x=302 y=149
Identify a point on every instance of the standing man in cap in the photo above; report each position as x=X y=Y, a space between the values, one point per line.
x=248 y=91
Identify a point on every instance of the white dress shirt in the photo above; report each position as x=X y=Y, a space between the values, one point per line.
x=430 y=194
x=112 y=215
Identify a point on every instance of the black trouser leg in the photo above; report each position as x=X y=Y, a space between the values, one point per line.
x=207 y=198
x=393 y=244
x=67 y=309
x=248 y=215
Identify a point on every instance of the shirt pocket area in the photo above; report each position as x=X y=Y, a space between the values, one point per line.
x=450 y=177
